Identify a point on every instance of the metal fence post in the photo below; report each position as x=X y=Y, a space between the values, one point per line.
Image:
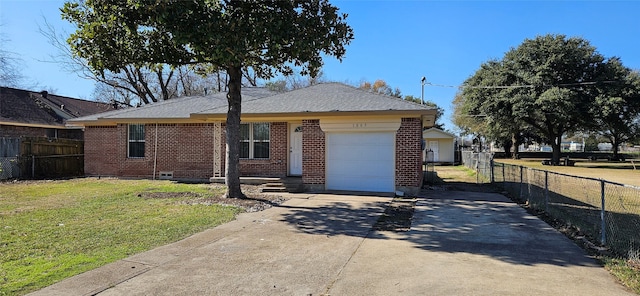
x=478 y=168
x=491 y=168
x=33 y=166
x=603 y=225
x=504 y=178
x=521 y=182
x=546 y=191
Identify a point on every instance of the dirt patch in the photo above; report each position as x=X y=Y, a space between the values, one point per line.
x=256 y=201
x=397 y=216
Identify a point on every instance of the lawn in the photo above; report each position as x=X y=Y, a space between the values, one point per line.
x=619 y=172
x=51 y=230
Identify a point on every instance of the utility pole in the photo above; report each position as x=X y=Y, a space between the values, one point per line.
x=423 y=81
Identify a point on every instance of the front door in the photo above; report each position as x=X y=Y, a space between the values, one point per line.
x=295 y=150
x=434 y=147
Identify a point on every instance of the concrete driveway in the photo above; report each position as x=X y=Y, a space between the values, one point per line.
x=460 y=243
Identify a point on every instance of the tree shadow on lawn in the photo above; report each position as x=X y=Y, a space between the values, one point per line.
x=486 y=224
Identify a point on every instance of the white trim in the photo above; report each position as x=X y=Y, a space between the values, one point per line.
x=362 y=125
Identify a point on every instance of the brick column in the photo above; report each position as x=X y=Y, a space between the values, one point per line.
x=313 y=153
x=409 y=153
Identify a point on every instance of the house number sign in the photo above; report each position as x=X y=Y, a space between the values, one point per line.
x=359 y=125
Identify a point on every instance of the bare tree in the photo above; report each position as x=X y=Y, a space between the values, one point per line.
x=295 y=82
x=139 y=85
x=10 y=74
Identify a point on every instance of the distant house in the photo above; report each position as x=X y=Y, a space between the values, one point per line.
x=26 y=113
x=439 y=145
x=334 y=136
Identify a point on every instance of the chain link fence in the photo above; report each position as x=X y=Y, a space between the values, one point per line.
x=479 y=162
x=9 y=168
x=9 y=152
x=605 y=211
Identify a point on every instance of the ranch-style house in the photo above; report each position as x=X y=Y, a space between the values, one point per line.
x=333 y=136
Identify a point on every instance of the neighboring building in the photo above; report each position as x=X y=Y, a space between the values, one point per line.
x=334 y=136
x=26 y=113
x=439 y=146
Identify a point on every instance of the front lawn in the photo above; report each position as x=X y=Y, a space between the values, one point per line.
x=51 y=230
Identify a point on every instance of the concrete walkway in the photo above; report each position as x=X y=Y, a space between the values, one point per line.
x=460 y=243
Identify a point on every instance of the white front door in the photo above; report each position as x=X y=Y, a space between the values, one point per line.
x=434 y=147
x=295 y=150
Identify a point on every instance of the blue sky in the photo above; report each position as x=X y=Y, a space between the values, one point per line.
x=396 y=41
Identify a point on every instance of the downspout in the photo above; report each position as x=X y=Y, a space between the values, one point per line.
x=155 y=153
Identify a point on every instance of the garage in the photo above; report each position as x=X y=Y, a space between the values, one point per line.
x=361 y=161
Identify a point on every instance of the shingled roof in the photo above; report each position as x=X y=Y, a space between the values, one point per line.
x=178 y=108
x=323 y=98
x=18 y=106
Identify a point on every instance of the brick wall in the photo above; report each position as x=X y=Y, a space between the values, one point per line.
x=184 y=149
x=313 y=152
x=409 y=153
x=101 y=151
x=12 y=131
x=276 y=165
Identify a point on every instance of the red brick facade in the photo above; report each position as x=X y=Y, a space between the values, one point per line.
x=184 y=149
x=12 y=131
x=102 y=155
x=187 y=150
x=409 y=153
x=313 y=153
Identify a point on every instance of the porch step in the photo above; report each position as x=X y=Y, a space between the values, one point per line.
x=273 y=187
x=291 y=187
x=270 y=184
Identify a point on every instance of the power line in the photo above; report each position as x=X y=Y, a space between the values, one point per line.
x=520 y=86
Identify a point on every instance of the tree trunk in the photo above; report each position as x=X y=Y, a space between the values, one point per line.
x=556 y=146
x=232 y=167
x=515 y=141
x=615 y=147
x=506 y=145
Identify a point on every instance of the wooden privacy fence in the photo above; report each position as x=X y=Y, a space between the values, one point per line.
x=41 y=158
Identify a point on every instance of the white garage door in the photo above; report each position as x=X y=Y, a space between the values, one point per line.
x=361 y=161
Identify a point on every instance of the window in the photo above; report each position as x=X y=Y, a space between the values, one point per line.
x=136 y=140
x=254 y=140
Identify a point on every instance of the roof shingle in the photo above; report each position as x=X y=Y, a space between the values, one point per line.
x=28 y=107
x=319 y=98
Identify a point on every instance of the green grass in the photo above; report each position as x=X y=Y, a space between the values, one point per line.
x=621 y=269
x=51 y=230
x=469 y=172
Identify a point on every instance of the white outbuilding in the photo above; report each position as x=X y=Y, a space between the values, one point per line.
x=439 y=146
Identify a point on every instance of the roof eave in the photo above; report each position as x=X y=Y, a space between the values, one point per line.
x=38 y=125
x=309 y=114
x=116 y=121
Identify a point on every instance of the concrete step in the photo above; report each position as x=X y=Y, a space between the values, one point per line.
x=274 y=189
